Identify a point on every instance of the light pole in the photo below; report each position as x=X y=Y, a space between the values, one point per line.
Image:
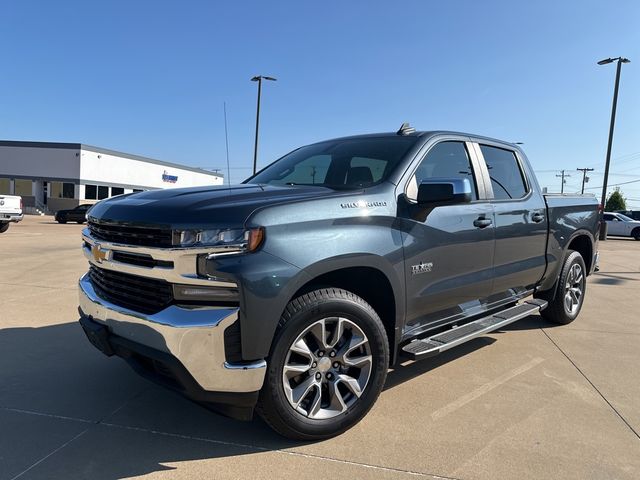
x=258 y=78
x=620 y=61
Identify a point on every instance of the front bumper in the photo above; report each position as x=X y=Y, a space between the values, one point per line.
x=11 y=217
x=194 y=337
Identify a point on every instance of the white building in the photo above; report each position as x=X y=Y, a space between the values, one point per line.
x=53 y=176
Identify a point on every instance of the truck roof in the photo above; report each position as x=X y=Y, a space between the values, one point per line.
x=422 y=133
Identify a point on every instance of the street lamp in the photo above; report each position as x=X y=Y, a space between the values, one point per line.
x=606 y=61
x=258 y=78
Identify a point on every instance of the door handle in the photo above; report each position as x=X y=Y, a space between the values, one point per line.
x=537 y=217
x=482 y=222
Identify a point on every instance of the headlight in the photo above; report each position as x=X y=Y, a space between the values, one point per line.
x=231 y=240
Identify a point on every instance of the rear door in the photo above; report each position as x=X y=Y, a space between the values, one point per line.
x=448 y=253
x=519 y=218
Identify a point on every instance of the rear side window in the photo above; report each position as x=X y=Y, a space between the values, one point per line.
x=507 y=179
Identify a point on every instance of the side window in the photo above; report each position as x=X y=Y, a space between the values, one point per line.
x=608 y=217
x=445 y=159
x=507 y=179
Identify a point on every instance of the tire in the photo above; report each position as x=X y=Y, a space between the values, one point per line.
x=4 y=227
x=636 y=234
x=62 y=220
x=329 y=405
x=570 y=293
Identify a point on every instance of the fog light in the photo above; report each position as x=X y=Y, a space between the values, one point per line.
x=197 y=293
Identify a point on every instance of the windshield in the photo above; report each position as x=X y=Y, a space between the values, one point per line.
x=624 y=218
x=349 y=163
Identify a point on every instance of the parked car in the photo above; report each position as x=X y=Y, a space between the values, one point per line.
x=294 y=292
x=622 y=226
x=633 y=214
x=10 y=211
x=78 y=214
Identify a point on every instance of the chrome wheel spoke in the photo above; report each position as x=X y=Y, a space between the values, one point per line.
x=357 y=361
x=319 y=332
x=295 y=370
x=351 y=383
x=337 y=403
x=300 y=392
x=568 y=303
x=338 y=332
x=301 y=348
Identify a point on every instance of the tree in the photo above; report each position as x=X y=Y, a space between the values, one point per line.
x=615 y=202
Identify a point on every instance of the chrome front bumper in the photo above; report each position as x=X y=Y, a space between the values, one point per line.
x=194 y=336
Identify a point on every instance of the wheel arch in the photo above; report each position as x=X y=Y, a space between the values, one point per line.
x=581 y=241
x=368 y=277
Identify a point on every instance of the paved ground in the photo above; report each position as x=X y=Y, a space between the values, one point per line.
x=532 y=401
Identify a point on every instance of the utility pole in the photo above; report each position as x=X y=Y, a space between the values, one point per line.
x=562 y=174
x=585 y=179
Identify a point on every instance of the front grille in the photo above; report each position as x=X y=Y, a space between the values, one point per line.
x=140 y=259
x=149 y=237
x=141 y=294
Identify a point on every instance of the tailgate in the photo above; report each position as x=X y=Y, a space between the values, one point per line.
x=10 y=205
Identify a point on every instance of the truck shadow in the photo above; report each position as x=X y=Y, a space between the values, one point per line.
x=51 y=374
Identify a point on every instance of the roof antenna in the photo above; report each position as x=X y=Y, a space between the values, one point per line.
x=226 y=141
x=405 y=129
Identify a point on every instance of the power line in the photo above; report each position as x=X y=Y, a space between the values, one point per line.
x=615 y=184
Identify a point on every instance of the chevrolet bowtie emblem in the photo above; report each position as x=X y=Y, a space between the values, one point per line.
x=99 y=254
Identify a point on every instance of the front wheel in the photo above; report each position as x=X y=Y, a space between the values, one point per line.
x=4 y=227
x=327 y=366
x=636 y=234
x=571 y=289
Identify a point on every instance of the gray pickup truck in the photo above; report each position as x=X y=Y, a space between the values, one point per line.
x=294 y=292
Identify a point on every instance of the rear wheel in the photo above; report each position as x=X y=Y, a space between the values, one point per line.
x=62 y=220
x=327 y=366
x=636 y=233
x=571 y=289
x=4 y=227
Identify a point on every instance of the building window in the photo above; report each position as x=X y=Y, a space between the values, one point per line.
x=55 y=190
x=117 y=191
x=90 y=192
x=103 y=192
x=5 y=186
x=68 y=190
x=23 y=188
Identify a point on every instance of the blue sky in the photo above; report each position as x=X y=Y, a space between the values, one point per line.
x=150 y=77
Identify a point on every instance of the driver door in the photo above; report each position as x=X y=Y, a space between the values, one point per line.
x=448 y=249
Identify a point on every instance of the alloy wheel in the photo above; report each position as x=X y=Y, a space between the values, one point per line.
x=574 y=288
x=327 y=368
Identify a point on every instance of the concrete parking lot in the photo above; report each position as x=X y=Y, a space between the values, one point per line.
x=531 y=401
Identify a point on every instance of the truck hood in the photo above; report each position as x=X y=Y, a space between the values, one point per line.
x=200 y=207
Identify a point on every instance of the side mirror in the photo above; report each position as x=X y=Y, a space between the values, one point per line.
x=444 y=191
